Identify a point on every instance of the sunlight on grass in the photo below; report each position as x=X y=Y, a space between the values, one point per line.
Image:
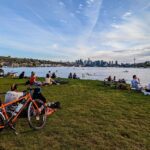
x=92 y=117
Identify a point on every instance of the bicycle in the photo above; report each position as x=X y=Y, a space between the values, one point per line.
x=36 y=112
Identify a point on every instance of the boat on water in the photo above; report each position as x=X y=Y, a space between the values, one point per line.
x=126 y=71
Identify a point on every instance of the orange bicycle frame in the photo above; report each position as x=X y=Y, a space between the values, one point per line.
x=28 y=99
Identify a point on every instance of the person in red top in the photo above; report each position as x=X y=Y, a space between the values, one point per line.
x=32 y=78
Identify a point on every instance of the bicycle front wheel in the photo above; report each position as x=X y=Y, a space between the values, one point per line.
x=37 y=116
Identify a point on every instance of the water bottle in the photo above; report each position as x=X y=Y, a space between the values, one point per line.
x=18 y=108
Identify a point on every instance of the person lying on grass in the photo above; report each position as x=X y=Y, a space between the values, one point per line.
x=147 y=89
x=51 y=106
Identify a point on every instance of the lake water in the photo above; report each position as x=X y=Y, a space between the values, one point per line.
x=94 y=73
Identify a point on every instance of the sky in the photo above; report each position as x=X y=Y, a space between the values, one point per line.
x=73 y=29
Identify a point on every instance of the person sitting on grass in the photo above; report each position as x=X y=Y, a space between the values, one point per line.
x=70 y=76
x=13 y=94
x=21 y=76
x=33 y=80
x=74 y=76
x=49 y=80
x=135 y=83
x=53 y=75
x=114 y=79
x=109 y=79
x=122 y=81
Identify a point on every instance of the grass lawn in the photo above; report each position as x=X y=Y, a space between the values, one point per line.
x=92 y=117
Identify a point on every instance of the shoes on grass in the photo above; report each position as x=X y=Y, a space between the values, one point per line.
x=54 y=105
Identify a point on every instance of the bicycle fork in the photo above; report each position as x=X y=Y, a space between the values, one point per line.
x=9 y=123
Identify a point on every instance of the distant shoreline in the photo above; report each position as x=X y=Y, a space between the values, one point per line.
x=72 y=67
x=29 y=62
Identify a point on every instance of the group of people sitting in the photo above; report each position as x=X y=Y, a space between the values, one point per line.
x=72 y=76
x=135 y=84
x=49 y=80
x=14 y=94
x=110 y=79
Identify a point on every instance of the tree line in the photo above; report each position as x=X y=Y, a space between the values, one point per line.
x=29 y=62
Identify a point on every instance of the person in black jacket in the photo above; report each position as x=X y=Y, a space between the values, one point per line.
x=21 y=76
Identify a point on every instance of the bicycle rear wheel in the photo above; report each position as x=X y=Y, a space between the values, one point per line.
x=37 y=119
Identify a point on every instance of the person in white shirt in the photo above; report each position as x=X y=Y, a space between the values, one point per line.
x=13 y=94
x=48 y=80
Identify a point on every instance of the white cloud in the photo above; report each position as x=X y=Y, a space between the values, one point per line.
x=71 y=32
x=127 y=14
x=130 y=37
x=125 y=56
x=131 y=33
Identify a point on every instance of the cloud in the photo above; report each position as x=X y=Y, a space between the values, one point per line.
x=126 y=55
x=77 y=29
x=36 y=34
x=132 y=32
x=127 y=14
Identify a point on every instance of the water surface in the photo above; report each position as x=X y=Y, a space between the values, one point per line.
x=94 y=73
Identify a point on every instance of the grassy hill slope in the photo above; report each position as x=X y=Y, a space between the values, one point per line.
x=92 y=117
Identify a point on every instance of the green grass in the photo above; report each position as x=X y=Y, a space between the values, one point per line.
x=92 y=117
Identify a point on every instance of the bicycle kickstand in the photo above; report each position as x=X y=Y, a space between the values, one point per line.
x=14 y=129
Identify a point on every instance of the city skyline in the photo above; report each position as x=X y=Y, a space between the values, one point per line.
x=73 y=29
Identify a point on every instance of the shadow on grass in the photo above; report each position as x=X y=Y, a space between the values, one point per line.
x=9 y=132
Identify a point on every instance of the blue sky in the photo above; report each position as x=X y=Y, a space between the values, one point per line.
x=72 y=29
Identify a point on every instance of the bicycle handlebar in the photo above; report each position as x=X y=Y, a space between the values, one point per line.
x=29 y=89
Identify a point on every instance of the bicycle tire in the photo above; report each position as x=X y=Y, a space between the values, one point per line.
x=36 y=121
